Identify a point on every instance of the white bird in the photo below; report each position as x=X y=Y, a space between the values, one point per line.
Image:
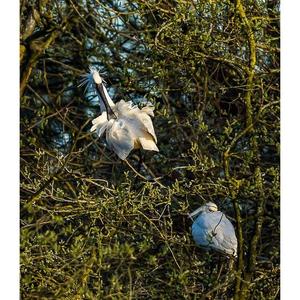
x=213 y=230
x=127 y=127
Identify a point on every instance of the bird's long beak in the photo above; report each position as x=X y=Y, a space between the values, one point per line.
x=195 y=213
x=191 y=217
x=100 y=91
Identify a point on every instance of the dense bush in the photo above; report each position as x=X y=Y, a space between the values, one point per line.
x=96 y=227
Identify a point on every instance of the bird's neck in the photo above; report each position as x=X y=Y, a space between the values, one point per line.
x=110 y=112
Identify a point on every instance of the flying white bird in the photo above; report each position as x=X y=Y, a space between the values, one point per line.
x=127 y=127
x=213 y=230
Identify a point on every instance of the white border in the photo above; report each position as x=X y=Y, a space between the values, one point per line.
x=290 y=150
x=9 y=157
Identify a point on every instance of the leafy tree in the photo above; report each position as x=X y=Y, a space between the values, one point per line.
x=96 y=227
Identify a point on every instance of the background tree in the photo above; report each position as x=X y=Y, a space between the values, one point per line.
x=95 y=227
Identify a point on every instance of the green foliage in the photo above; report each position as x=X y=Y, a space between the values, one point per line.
x=91 y=227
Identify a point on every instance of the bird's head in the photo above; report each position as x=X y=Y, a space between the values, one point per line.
x=95 y=76
x=91 y=78
x=211 y=207
x=208 y=207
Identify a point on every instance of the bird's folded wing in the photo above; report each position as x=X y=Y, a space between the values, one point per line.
x=136 y=118
x=229 y=238
x=119 y=139
x=146 y=123
x=148 y=110
x=147 y=142
x=225 y=239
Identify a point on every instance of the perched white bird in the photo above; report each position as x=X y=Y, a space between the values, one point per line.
x=213 y=230
x=127 y=127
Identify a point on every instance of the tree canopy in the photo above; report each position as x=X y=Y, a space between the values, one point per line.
x=96 y=227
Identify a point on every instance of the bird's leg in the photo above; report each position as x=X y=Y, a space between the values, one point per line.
x=141 y=159
x=220 y=267
x=231 y=264
x=220 y=270
x=208 y=251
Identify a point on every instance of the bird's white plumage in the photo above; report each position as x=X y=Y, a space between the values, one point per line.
x=129 y=128
x=212 y=229
x=132 y=128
